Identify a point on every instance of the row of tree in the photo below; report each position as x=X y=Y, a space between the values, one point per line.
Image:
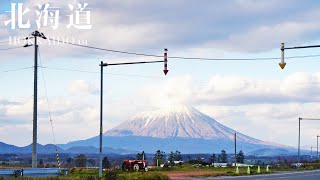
x=223 y=157
x=160 y=157
x=82 y=161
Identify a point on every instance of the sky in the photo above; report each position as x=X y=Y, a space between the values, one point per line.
x=256 y=98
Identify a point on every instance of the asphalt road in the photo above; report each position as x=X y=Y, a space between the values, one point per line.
x=304 y=175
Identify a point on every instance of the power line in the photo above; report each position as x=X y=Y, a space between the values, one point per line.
x=5 y=49
x=14 y=40
x=2 y=42
x=224 y=59
x=109 y=50
x=161 y=56
x=185 y=58
x=243 y=82
x=172 y=57
x=49 y=112
x=18 y=69
x=95 y=72
x=302 y=57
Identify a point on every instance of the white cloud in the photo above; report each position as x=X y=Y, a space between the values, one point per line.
x=231 y=90
x=266 y=37
x=135 y=26
x=83 y=87
x=270 y=122
x=173 y=91
x=74 y=118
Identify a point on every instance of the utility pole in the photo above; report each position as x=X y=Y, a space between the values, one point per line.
x=35 y=34
x=102 y=65
x=299 y=141
x=318 y=147
x=142 y=156
x=101 y=125
x=305 y=119
x=235 y=149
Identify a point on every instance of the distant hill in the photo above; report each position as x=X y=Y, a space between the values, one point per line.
x=274 y=152
x=50 y=149
x=6 y=148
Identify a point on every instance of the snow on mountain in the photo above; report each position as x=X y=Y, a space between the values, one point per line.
x=179 y=122
x=182 y=128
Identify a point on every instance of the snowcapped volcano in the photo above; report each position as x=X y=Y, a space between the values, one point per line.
x=181 y=128
x=178 y=122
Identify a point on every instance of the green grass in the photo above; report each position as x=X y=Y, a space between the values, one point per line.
x=143 y=176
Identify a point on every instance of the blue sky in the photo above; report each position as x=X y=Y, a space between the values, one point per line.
x=253 y=97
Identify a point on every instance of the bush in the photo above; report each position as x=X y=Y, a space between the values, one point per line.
x=166 y=167
x=111 y=175
x=72 y=170
x=91 y=178
x=144 y=176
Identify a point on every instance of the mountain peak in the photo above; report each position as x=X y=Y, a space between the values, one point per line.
x=177 y=109
x=181 y=109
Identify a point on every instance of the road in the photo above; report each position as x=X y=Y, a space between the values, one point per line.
x=304 y=175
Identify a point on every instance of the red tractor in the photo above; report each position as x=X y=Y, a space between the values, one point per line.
x=134 y=165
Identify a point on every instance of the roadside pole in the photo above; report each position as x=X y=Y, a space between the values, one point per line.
x=102 y=65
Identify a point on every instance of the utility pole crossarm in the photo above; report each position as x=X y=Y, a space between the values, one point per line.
x=310 y=119
x=282 y=64
x=303 y=47
x=128 y=63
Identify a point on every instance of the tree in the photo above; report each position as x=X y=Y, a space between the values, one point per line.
x=159 y=157
x=223 y=157
x=141 y=156
x=70 y=162
x=91 y=162
x=212 y=158
x=171 y=158
x=177 y=156
x=81 y=160
x=174 y=156
x=189 y=157
x=105 y=163
x=240 y=157
x=41 y=164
